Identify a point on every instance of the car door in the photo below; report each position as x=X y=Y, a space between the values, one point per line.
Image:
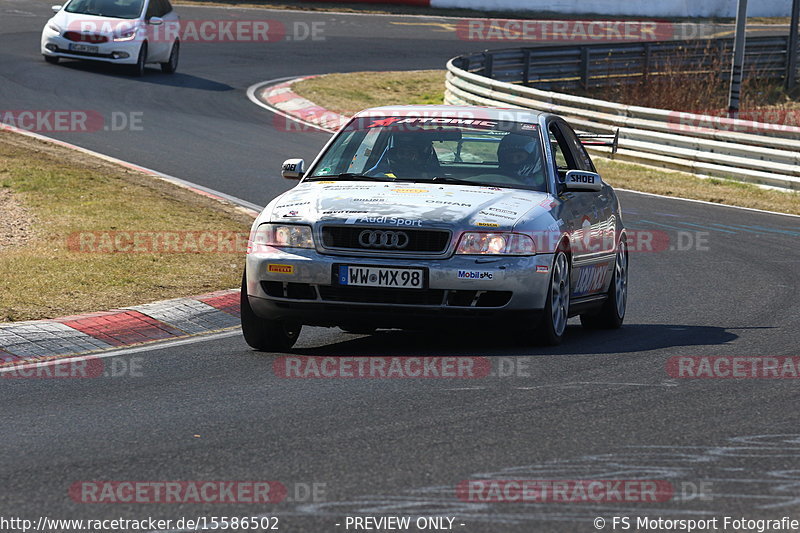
x=172 y=27
x=156 y=34
x=590 y=215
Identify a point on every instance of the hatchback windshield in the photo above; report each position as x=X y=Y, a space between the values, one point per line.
x=121 y=9
x=467 y=151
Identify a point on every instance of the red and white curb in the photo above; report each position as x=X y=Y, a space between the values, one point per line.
x=280 y=99
x=40 y=340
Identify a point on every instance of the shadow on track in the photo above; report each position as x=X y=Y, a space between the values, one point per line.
x=152 y=75
x=578 y=341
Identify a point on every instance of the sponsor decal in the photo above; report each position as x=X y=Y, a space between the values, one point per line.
x=475 y=274
x=293 y=204
x=280 y=269
x=542 y=269
x=391 y=221
x=444 y=202
x=590 y=279
x=410 y=191
x=488 y=224
x=291 y=213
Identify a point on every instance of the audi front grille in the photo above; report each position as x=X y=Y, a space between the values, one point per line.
x=385 y=239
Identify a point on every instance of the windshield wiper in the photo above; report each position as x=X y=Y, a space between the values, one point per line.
x=447 y=179
x=346 y=176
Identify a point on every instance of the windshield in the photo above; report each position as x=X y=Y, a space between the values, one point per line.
x=120 y=9
x=467 y=151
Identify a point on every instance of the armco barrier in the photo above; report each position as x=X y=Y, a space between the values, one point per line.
x=707 y=146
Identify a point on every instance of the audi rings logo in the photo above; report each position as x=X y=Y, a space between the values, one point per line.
x=395 y=240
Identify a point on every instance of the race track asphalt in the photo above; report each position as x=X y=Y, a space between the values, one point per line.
x=600 y=406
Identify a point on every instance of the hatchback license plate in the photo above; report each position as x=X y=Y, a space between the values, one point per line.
x=84 y=48
x=363 y=276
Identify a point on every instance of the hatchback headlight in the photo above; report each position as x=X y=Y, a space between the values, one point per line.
x=504 y=243
x=128 y=34
x=283 y=236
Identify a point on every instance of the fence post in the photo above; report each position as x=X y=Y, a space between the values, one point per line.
x=526 y=70
x=648 y=50
x=791 y=48
x=585 y=67
x=487 y=64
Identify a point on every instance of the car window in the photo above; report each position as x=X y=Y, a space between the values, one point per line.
x=563 y=157
x=580 y=156
x=167 y=7
x=123 y=9
x=153 y=9
x=470 y=151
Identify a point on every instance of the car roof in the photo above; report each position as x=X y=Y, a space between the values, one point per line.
x=511 y=114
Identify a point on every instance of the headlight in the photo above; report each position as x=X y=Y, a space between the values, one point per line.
x=283 y=236
x=125 y=35
x=54 y=27
x=496 y=243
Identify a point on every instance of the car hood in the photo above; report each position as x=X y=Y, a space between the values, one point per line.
x=92 y=24
x=407 y=204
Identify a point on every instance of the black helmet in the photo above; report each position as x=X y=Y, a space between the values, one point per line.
x=518 y=154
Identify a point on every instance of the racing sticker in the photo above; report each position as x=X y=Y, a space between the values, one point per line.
x=590 y=279
x=475 y=274
x=280 y=269
x=487 y=224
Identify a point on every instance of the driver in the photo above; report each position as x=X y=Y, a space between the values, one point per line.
x=410 y=157
x=518 y=156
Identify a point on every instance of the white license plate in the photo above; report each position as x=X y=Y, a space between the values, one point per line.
x=363 y=276
x=84 y=48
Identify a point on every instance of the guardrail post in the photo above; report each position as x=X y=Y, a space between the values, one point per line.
x=487 y=64
x=648 y=51
x=526 y=69
x=791 y=48
x=585 y=67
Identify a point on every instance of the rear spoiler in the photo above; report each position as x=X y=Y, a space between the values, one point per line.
x=600 y=139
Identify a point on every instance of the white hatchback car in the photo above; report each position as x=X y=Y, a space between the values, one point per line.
x=127 y=32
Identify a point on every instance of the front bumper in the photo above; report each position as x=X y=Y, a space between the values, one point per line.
x=117 y=52
x=305 y=290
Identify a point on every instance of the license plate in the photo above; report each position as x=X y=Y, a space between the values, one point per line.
x=84 y=48
x=363 y=276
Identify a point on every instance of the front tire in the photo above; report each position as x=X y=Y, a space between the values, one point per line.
x=141 y=61
x=172 y=64
x=556 y=311
x=51 y=59
x=612 y=314
x=263 y=334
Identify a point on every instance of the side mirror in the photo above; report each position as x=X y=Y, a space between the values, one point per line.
x=155 y=21
x=292 y=169
x=581 y=180
x=55 y=9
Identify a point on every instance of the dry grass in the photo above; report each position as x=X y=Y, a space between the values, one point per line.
x=349 y=93
x=366 y=89
x=679 y=184
x=68 y=192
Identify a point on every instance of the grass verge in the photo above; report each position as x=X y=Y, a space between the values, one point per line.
x=58 y=193
x=352 y=92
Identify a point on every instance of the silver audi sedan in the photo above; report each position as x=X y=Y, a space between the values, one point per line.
x=426 y=216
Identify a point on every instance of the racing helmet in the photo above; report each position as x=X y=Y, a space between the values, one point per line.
x=409 y=154
x=518 y=155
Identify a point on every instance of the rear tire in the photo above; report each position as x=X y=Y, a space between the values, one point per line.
x=612 y=314
x=556 y=312
x=263 y=334
x=141 y=61
x=51 y=59
x=172 y=64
